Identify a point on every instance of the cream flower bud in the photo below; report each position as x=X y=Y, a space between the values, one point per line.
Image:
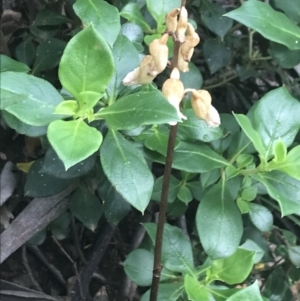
x=191 y=40
x=201 y=103
x=171 y=20
x=182 y=24
x=159 y=50
x=182 y=65
x=173 y=90
x=142 y=75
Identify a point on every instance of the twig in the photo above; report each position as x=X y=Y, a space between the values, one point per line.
x=28 y=269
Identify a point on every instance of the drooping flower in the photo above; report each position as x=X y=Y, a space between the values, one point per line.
x=159 y=50
x=182 y=24
x=171 y=20
x=191 y=40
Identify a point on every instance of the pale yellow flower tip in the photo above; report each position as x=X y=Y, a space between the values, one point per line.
x=191 y=40
x=182 y=24
x=171 y=20
x=159 y=50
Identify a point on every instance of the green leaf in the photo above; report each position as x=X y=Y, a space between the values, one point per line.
x=192 y=79
x=173 y=189
x=73 y=141
x=23 y=128
x=115 y=206
x=184 y=194
x=39 y=184
x=67 y=107
x=132 y=32
x=221 y=294
x=233 y=269
x=283 y=188
x=60 y=226
x=86 y=207
x=49 y=17
x=158 y=9
x=244 y=160
x=284 y=57
x=219 y=223
x=249 y=193
x=32 y=101
x=210 y=177
x=216 y=54
x=196 y=158
x=8 y=64
x=290 y=7
x=25 y=52
x=139 y=109
x=48 y=55
x=177 y=253
x=55 y=167
x=250 y=245
x=102 y=15
x=166 y=292
x=132 y=13
x=271 y=24
x=126 y=59
x=253 y=135
x=127 y=170
x=243 y=205
x=261 y=217
x=77 y=71
x=279 y=150
x=294 y=255
x=277 y=116
x=195 y=129
x=195 y=290
x=250 y=293
x=212 y=17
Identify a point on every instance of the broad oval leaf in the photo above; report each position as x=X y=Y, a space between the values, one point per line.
x=127 y=170
x=290 y=7
x=219 y=223
x=192 y=79
x=138 y=109
x=277 y=116
x=86 y=64
x=166 y=292
x=172 y=192
x=73 y=141
x=25 y=52
x=102 y=15
x=196 y=158
x=32 y=100
x=196 y=290
x=8 y=64
x=261 y=217
x=250 y=293
x=271 y=24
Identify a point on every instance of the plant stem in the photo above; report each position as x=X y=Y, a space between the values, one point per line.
x=223 y=82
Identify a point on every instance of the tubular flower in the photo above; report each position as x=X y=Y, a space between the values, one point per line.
x=201 y=103
x=182 y=65
x=159 y=51
x=182 y=24
x=191 y=40
x=142 y=75
x=173 y=90
x=171 y=20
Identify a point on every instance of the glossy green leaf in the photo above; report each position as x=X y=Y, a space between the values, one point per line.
x=212 y=17
x=251 y=245
x=192 y=79
x=176 y=209
x=216 y=54
x=126 y=59
x=25 y=52
x=283 y=188
x=127 y=170
x=290 y=7
x=244 y=160
x=196 y=189
x=166 y=292
x=86 y=207
x=279 y=151
x=39 y=184
x=77 y=71
x=243 y=205
x=195 y=290
x=49 y=17
x=139 y=109
x=173 y=189
x=8 y=64
x=38 y=238
x=249 y=193
x=177 y=253
x=60 y=226
x=284 y=57
x=48 y=55
x=294 y=255
x=23 y=128
x=67 y=107
x=261 y=217
x=54 y=166
x=210 y=177
x=132 y=13
x=221 y=294
x=195 y=129
x=132 y=32
x=250 y=293
x=102 y=15
x=196 y=158
x=253 y=135
x=271 y=24
x=233 y=269
x=32 y=101
x=115 y=206
x=184 y=194
x=158 y=9
x=73 y=141
x=219 y=223
x=277 y=116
